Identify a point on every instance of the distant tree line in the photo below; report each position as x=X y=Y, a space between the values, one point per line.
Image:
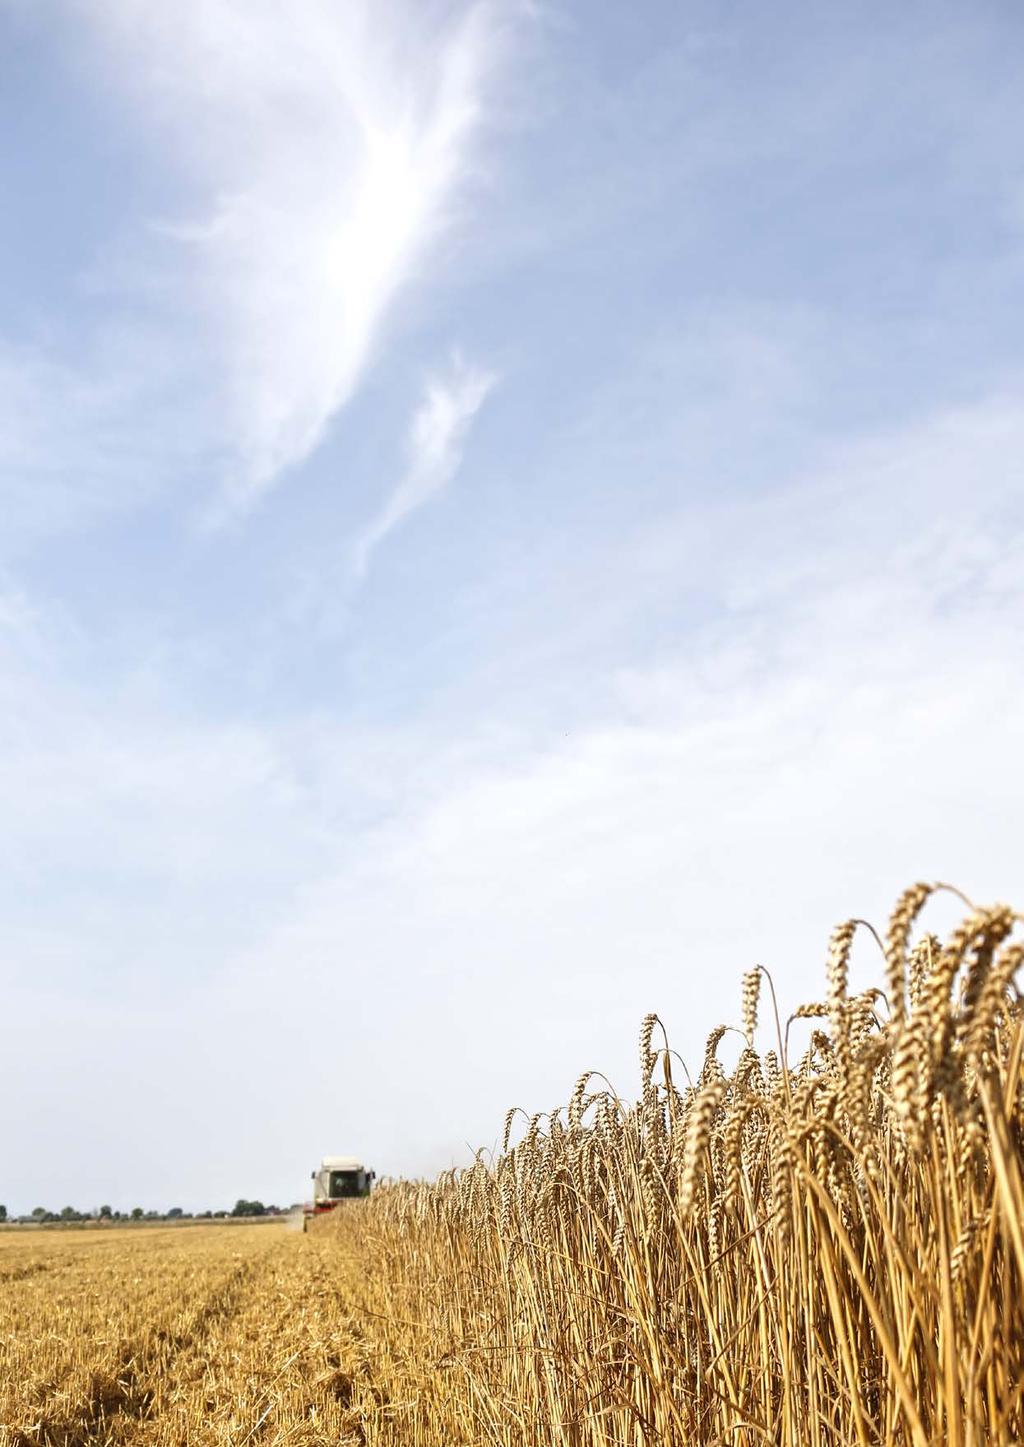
x=42 y=1216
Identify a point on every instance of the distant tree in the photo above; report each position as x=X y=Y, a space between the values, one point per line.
x=137 y=1213
x=175 y=1213
x=104 y=1213
x=249 y=1208
x=3 y=1213
x=68 y=1213
x=40 y=1213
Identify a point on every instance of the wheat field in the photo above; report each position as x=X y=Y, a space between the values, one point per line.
x=212 y=1334
x=820 y=1248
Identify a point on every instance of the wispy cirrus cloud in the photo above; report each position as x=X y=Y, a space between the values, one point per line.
x=325 y=146
x=437 y=438
x=86 y=434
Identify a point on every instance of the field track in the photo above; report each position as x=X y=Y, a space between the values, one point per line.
x=219 y=1334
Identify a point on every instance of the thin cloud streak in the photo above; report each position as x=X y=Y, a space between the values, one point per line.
x=326 y=145
x=437 y=441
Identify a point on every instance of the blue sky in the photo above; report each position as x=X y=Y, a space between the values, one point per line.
x=512 y=514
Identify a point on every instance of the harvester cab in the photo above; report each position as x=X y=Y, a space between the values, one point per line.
x=337 y=1178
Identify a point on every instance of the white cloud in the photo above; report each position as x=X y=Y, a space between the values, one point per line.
x=326 y=144
x=81 y=437
x=846 y=722
x=288 y=912
x=436 y=443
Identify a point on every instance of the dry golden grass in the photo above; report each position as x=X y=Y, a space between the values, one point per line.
x=827 y=1251
x=810 y=1252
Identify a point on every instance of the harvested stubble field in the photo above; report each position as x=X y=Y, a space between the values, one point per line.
x=814 y=1253
x=153 y=1336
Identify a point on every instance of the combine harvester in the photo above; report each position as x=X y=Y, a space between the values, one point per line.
x=338 y=1178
